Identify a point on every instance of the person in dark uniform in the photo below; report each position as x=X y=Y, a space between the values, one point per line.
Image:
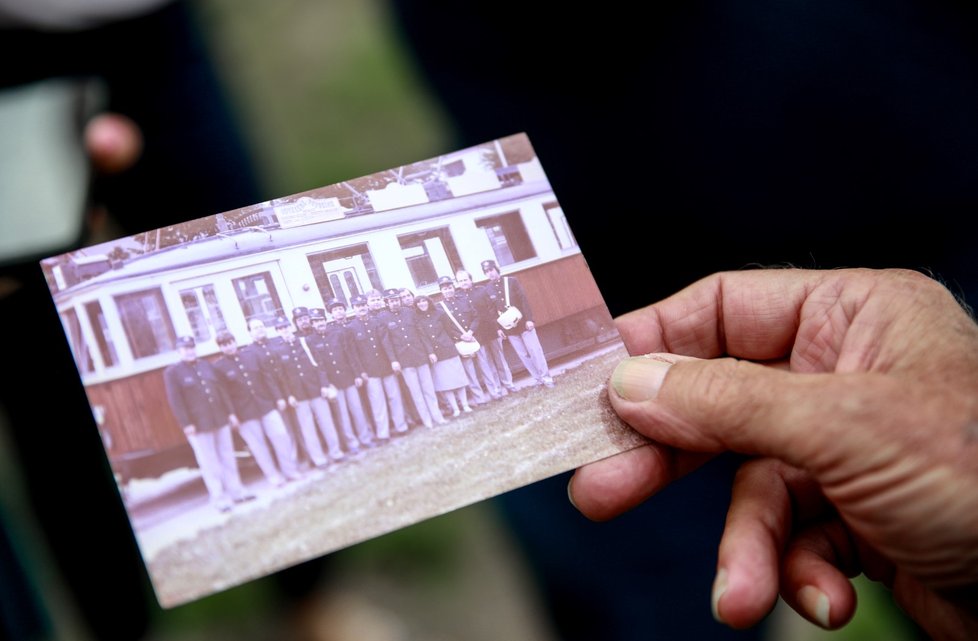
x=490 y=358
x=302 y=321
x=375 y=352
x=407 y=298
x=254 y=391
x=202 y=407
x=334 y=350
x=506 y=294
x=302 y=382
x=447 y=373
x=414 y=354
x=263 y=345
x=465 y=323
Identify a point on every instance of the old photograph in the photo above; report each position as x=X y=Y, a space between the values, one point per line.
x=287 y=379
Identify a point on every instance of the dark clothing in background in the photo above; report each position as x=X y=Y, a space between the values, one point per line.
x=194 y=163
x=821 y=134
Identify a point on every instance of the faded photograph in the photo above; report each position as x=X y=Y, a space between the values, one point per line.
x=283 y=380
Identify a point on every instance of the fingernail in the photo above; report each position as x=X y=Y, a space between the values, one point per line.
x=719 y=587
x=639 y=378
x=570 y=494
x=815 y=603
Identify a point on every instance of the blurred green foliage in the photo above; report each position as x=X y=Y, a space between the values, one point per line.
x=325 y=90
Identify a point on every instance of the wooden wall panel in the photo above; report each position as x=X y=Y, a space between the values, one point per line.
x=560 y=288
x=137 y=413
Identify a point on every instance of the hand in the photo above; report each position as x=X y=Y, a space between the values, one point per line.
x=293 y=401
x=189 y=430
x=233 y=420
x=113 y=142
x=468 y=337
x=432 y=358
x=866 y=433
x=396 y=366
x=501 y=333
x=529 y=326
x=281 y=404
x=358 y=381
x=330 y=392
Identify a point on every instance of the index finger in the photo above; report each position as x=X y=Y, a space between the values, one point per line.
x=751 y=314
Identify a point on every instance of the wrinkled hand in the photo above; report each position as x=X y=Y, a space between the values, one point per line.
x=865 y=433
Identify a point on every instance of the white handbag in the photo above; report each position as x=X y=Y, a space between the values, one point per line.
x=465 y=349
x=511 y=317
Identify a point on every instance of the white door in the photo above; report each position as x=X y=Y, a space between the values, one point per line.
x=347 y=278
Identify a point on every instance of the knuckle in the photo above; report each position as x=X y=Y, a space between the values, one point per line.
x=721 y=392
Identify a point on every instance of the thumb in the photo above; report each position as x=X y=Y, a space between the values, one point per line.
x=813 y=421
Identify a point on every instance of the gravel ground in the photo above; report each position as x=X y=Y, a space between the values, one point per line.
x=527 y=436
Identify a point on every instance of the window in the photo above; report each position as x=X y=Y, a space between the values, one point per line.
x=79 y=348
x=146 y=322
x=430 y=254
x=558 y=223
x=508 y=237
x=258 y=297
x=343 y=273
x=106 y=346
x=203 y=312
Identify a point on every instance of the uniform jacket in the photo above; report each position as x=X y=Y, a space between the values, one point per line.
x=436 y=326
x=464 y=312
x=251 y=387
x=517 y=298
x=196 y=395
x=336 y=354
x=484 y=309
x=269 y=361
x=373 y=345
x=411 y=346
x=301 y=377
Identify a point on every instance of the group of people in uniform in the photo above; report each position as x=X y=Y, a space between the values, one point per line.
x=348 y=381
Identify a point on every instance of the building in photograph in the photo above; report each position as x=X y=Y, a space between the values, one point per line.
x=123 y=323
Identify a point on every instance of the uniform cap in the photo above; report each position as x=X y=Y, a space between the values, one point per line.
x=334 y=302
x=358 y=300
x=186 y=341
x=300 y=311
x=489 y=264
x=317 y=313
x=446 y=280
x=224 y=337
x=282 y=321
x=392 y=293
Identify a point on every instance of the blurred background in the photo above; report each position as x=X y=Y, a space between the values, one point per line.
x=322 y=92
